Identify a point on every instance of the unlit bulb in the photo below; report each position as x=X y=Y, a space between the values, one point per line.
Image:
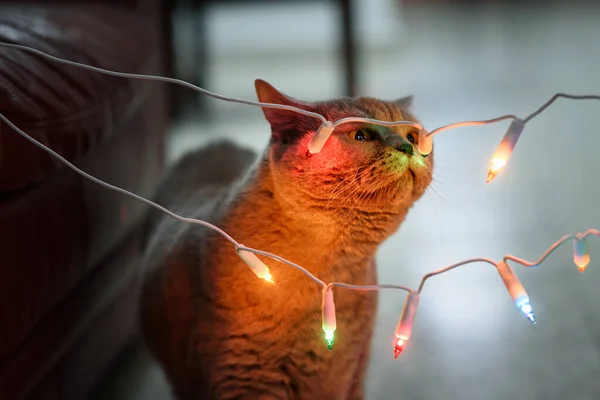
x=425 y=143
x=320 y=137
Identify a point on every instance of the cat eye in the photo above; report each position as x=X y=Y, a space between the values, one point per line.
x=412 y=140
x=361 y=135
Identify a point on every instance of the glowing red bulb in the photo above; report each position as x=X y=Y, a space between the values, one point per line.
x=398 y=348
x=405 y=324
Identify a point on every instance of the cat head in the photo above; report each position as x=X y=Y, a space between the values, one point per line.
x=362 y=167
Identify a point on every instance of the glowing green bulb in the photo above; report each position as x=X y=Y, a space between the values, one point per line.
x=328 y=315
x=329 y=339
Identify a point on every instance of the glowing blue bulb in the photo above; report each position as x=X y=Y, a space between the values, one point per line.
x=523 y=304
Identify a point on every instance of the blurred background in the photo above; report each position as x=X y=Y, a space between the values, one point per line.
x=461 y=60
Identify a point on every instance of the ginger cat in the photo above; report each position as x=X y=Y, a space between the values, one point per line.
x=220 y=332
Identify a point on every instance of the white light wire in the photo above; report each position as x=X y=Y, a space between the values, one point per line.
x=551 y=249
x=166 y=80
x=554 y=98
x=292 y=108
x=238 y=246
x=470 y=123
x=510 y=116
x=224 y=98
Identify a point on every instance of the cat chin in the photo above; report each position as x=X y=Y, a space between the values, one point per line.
x=411 y=187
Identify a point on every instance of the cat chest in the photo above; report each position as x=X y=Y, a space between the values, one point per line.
x=292 y=306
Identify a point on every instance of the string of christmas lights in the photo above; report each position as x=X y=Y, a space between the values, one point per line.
x=249 y=256
x=425 y=144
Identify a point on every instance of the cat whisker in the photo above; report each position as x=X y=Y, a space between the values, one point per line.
x=336 y=192
x=371 y=194
x=437 y=213
x=437 y=177
x=358 y=174
x=352 y=194
x=432 y=189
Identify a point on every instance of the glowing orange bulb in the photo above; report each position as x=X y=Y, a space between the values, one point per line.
x=498 y=162
x=256 y=265
x=505 y=148
x=581 y=254
x=582 y=267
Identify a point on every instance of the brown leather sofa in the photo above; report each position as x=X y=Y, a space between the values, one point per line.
x=70 y=249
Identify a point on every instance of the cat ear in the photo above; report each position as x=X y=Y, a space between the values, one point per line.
x=266 y=93
x=404 y=102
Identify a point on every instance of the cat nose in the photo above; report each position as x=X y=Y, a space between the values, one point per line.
x=406 y=148
x=400 y=144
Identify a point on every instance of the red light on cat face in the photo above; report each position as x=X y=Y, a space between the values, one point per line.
x=320 y=137
x=398 y=348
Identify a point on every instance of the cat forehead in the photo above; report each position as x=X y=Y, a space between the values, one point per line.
x=365 y=107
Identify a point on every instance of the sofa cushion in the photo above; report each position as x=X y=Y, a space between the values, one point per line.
x=55 y=226
x=70 y=109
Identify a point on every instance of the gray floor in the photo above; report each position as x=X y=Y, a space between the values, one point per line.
x=469 y=341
